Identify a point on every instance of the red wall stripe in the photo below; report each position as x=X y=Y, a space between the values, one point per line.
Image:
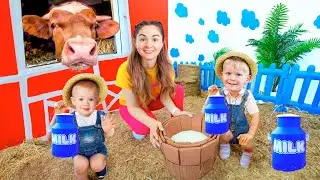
x=11 y=116
x=50 y=82
x=7 y=50
x=140 y=10
x=37 y=119
x=108 y=69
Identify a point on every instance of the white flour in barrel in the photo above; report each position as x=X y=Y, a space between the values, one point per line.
x=189 y=136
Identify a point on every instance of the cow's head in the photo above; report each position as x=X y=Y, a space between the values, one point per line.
x=74 y=32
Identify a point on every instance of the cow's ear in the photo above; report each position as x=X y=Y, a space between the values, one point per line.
x=107 y=28
x=36 y=26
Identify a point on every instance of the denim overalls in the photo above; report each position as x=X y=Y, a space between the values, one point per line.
x=237 y=119
x=91 y=138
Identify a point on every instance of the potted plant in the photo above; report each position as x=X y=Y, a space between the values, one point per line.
x=216 y=55
x=220 y=52
x=281 y=47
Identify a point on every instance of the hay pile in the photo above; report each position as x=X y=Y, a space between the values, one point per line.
x=189 y=79
x=106 y=46
x=130 y=159
x=36 y=56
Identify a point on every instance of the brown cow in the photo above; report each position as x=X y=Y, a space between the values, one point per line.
x=73 y=27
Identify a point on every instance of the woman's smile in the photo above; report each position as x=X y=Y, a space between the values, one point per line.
x=148 y=51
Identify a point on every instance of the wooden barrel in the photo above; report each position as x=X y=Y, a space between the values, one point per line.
x=188 y=161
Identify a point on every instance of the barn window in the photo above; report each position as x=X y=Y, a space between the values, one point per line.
x=36 y=52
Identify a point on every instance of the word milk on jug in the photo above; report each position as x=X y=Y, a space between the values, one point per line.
x=216 y=115
x=288 y=144
x=65 y=136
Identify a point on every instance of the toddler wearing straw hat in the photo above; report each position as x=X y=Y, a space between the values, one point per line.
x=235 y=70
x=83 y=92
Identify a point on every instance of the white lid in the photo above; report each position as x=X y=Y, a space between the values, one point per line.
x=288 y=115
x=65 y=114
x=218 y=95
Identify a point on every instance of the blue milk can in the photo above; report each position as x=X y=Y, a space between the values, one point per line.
x=216 y=115
x=65 y=136
x=288 y=144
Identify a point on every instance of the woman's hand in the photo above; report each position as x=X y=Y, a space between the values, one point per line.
x=154 y=137
x=178 y=112
x=108 y=123
x=59 y=107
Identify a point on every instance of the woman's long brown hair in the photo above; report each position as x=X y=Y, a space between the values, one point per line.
x=140 y=82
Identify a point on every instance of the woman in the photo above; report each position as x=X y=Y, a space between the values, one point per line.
x=147 y=82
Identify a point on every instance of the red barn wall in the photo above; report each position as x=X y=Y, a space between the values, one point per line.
x=149 y=10
x=12 y=130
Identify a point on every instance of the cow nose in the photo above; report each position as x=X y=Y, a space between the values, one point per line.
x=81 y=48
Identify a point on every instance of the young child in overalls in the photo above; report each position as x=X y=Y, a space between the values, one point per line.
x=84 y=92
x=235 y=70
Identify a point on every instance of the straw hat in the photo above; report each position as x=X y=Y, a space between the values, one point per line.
x=67 y=89
x=252 y=65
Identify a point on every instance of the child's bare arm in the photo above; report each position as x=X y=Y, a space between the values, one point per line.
x=254 y=125
x=244 y=139
x=53 y=120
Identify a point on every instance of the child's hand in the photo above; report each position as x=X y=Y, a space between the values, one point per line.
x=108 y=123
x=59 y=107
x=213 y=89
x=244 y=139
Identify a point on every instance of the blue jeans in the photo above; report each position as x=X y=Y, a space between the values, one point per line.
x=91 y=139
x=237 y=118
